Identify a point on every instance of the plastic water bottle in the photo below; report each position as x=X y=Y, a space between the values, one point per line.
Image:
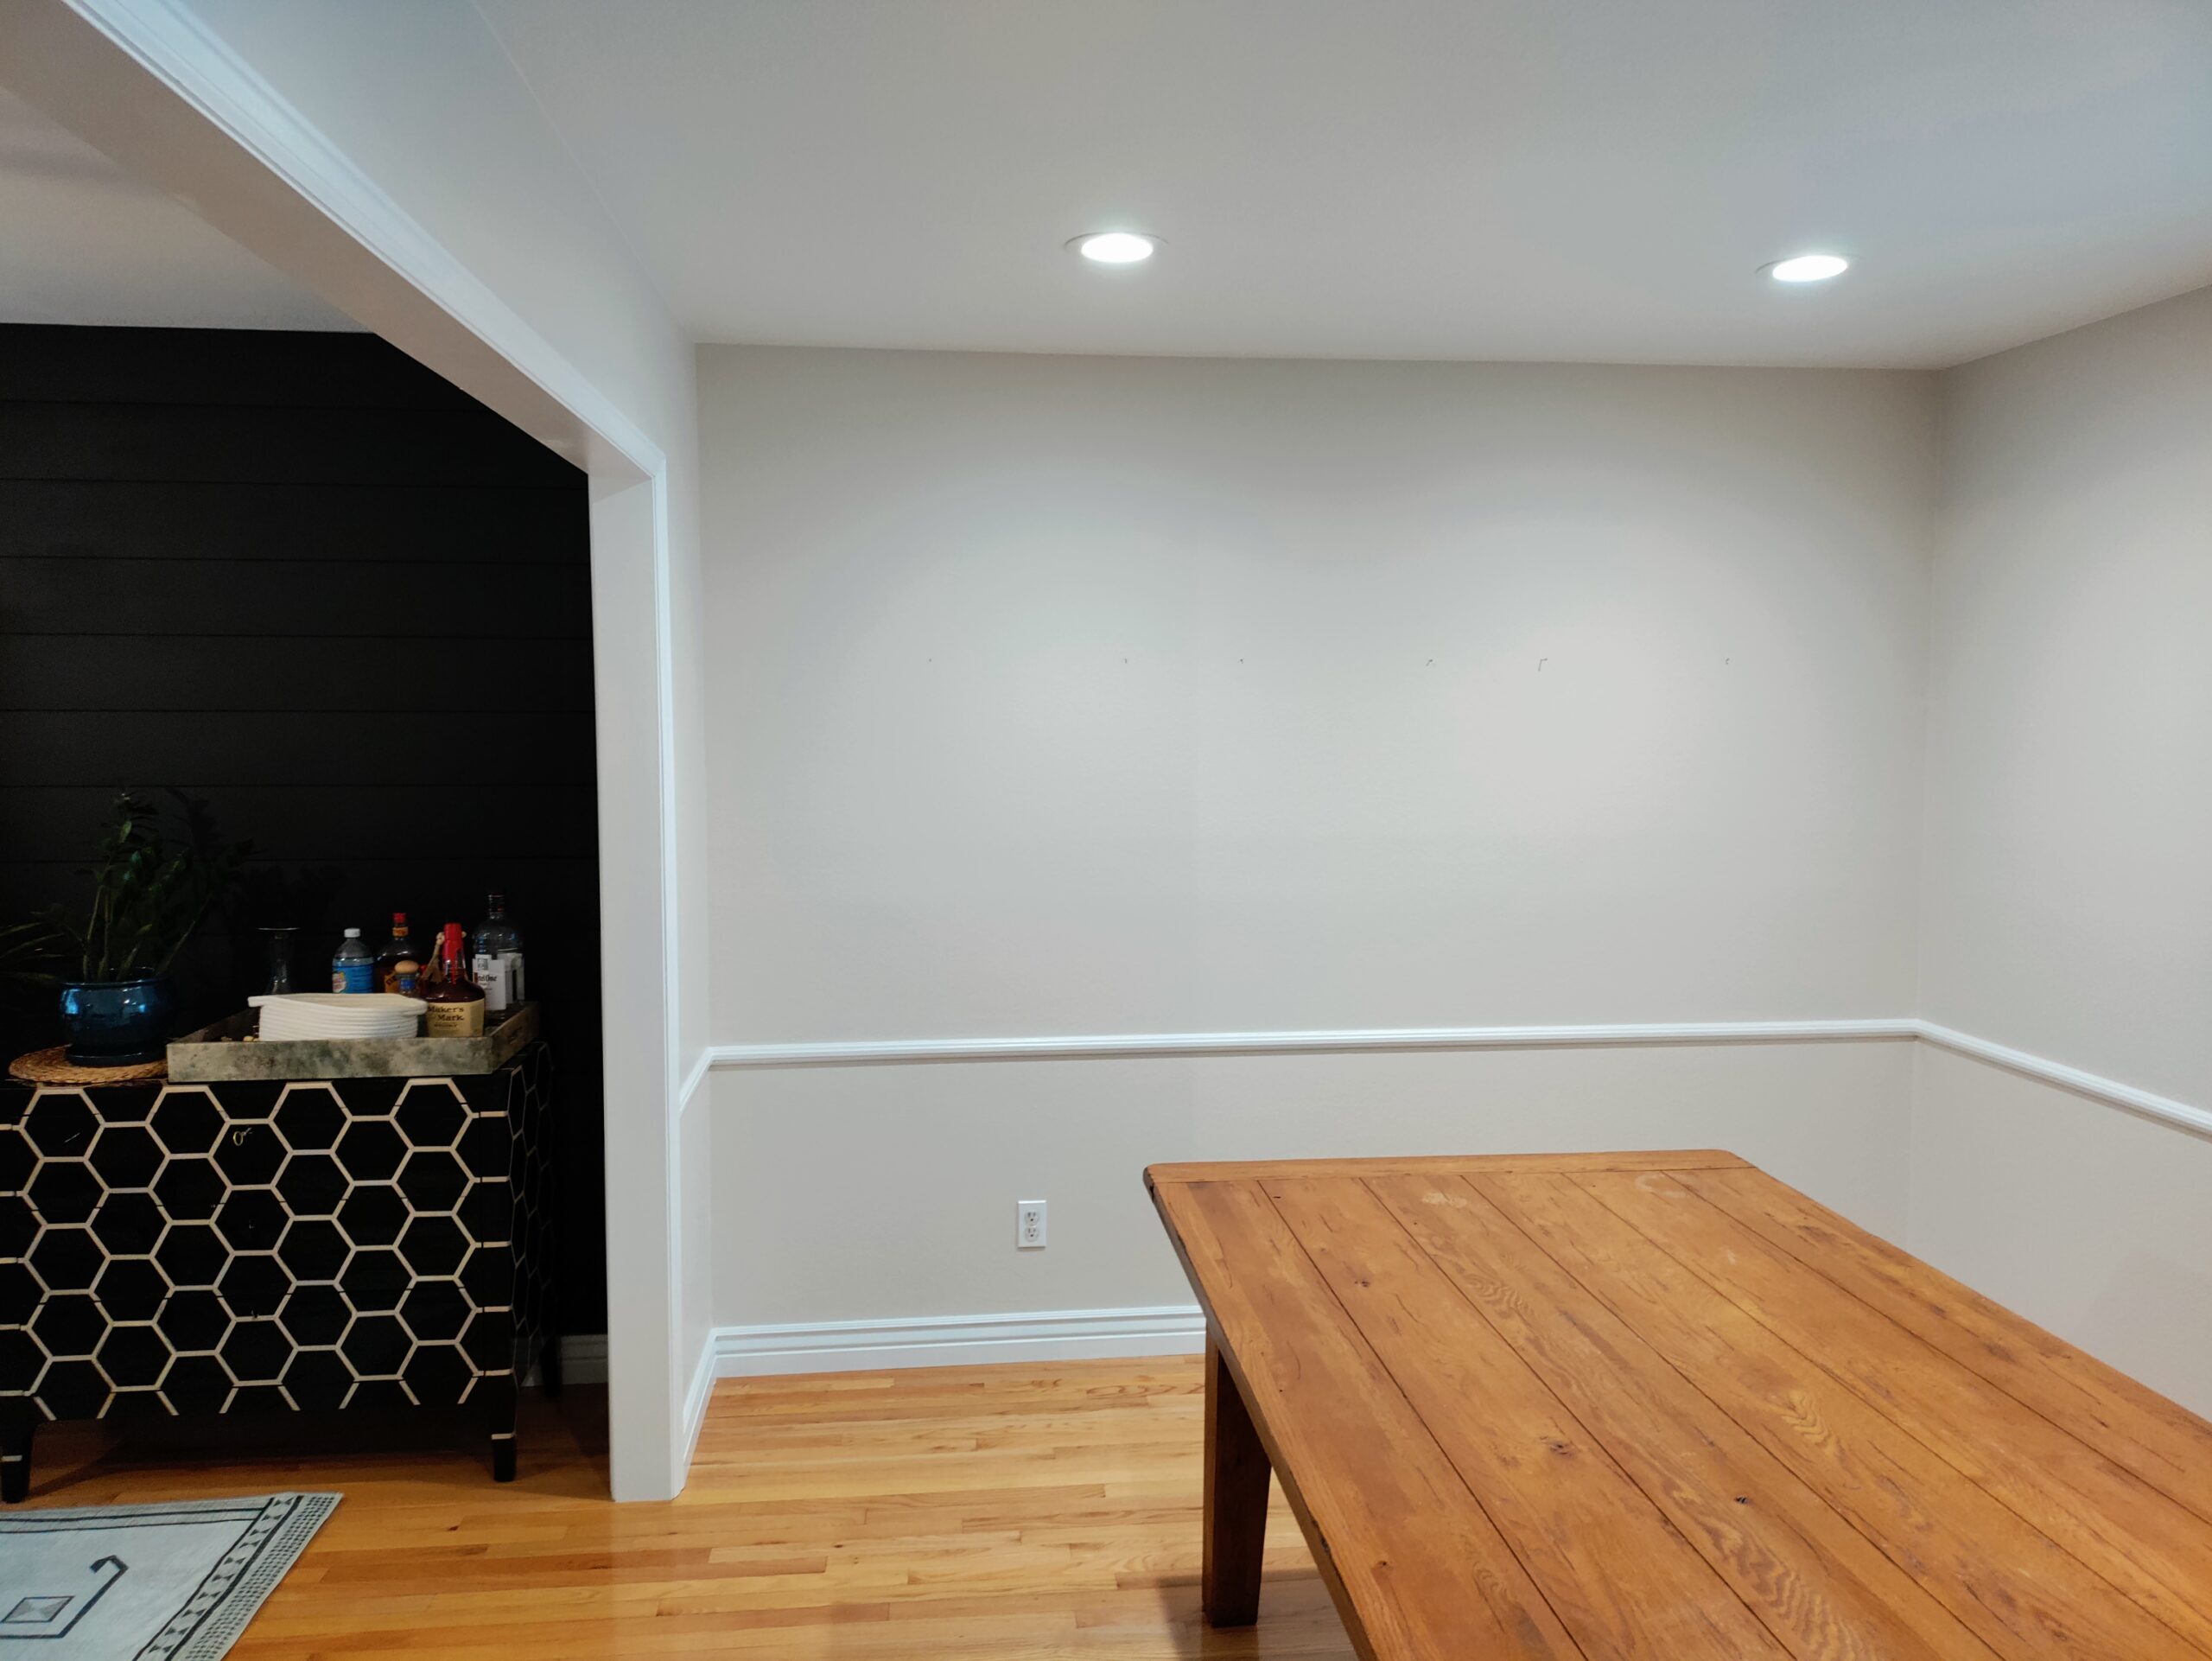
x=354 y=968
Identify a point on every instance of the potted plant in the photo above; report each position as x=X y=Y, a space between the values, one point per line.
x=147 y=897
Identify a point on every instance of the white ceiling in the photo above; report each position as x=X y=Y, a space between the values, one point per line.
x=83 y=241
x=1524 y=179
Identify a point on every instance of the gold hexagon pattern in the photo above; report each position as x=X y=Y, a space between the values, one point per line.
x=191 y=1249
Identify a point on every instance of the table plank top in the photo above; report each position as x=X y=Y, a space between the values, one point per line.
x=1659 y=1404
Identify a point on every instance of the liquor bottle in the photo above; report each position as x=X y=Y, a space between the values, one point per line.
x=456 y=1002
x=498 y=963
x=399 y=967
x=353 y=967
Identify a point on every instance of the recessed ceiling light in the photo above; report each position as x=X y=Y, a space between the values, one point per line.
x=1114 y=247
x=1808 y=268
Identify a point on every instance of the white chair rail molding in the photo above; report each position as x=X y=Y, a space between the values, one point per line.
x=941 y=1338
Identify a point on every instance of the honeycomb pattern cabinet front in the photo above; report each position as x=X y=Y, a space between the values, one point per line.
x=175 y=1250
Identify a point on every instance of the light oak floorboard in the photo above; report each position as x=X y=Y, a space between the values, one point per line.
x=1004 y=1514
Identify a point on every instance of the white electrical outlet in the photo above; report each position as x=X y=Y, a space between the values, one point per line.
x=1028 y=1224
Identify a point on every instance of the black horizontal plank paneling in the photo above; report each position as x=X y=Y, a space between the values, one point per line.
x=253 y=444
x=323 y=898
x=196 y=518
x=455 y=600
x=58 y=363
x=313 y=750
x=341 y=824
x=212 y=674
x=344 y=608
x=555 y=957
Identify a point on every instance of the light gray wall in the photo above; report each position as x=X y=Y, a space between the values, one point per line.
x=848 y=1194
x=2086 y=1218
x=2067 y=887
x=2068 y=869
x=1094 y=695
x=1059 y=696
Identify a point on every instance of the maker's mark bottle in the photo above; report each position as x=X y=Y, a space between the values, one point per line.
x=456 y=1002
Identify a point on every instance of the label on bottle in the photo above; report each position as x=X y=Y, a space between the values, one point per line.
x=354 y=975
x=490 y=972
x=462 y=1018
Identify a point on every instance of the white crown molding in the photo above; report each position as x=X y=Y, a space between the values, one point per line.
x=1112 y=1046
x=2164 y=1109
x=177 y=46
x=957 y=1340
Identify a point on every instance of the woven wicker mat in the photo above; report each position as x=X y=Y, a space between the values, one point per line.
x=53 y=1067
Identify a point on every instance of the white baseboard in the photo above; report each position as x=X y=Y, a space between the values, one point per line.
x=958 y=1340
x=583 y=1361
x=929 y=1341
x=696 y=1401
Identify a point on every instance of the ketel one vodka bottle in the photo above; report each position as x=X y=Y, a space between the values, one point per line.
x=498 y=963
x=456 y=1002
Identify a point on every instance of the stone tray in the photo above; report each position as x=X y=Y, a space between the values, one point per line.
x=225 y=1051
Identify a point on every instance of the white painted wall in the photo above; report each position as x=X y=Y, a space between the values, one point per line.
x=2067 y=898
x=1063 y=696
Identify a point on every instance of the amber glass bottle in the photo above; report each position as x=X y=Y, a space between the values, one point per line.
x=398 y=968
x=456 y=1001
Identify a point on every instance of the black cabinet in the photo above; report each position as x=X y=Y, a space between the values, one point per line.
x=169 y=1250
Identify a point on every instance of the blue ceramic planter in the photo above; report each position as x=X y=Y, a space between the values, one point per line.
x=119 y=1023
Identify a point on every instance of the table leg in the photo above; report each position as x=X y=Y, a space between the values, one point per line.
x=1236 y=1501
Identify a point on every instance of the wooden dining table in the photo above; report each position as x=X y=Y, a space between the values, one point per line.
x=1659 y=1404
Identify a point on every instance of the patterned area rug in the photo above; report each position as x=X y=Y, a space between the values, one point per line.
x=173 y=1582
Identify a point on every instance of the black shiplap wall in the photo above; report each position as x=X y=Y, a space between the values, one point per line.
x=303 y=580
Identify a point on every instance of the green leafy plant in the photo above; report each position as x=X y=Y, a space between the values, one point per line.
x=147 y=895
x=27 y=954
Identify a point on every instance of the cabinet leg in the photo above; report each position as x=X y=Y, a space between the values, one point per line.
x=499 y=1411
x=16 y=1459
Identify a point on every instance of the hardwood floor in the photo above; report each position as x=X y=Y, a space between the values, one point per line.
x=983 y=1513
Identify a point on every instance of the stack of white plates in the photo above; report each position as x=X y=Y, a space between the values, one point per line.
x=338 y=1014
